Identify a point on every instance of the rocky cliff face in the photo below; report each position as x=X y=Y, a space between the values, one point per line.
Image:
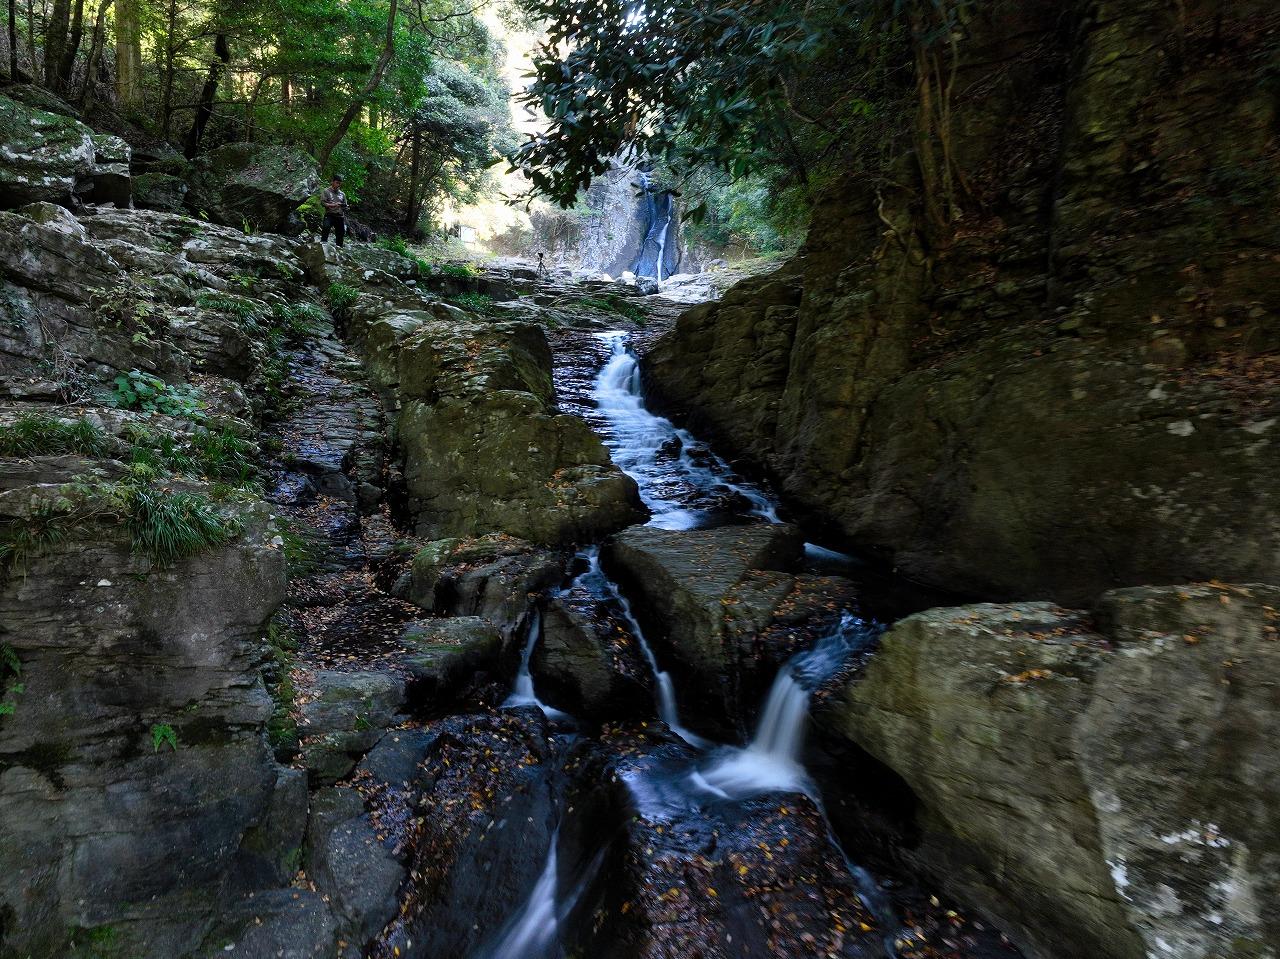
x=1075 y=387
x=138 y=568
x=1103 y=788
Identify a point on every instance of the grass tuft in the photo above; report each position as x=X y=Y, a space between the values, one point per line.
x=36 y=435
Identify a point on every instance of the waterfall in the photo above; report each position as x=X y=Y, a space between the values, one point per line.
x=523 y=693
x=771 y=761
x=659 y=211
x=532 y=931
x=641 y=444
x=665 y=689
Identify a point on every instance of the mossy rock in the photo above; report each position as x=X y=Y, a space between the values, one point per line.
x=43 y=155
x=254 y=186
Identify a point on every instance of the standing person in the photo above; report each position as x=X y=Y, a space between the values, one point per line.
x=335 y=211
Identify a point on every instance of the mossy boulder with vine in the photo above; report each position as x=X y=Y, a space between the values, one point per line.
x=253 y=186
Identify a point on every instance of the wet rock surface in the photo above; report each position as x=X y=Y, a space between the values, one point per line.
x=354 y=775
x=724 y=607
x=756 y=877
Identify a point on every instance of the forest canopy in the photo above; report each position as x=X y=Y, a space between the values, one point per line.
x=403 y=98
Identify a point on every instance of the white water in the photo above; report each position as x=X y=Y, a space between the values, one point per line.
x=637 y=439
x=771 y=761
x=523 y=694
x=533 y=929
x=668 y=711
x=662 y=238
x=657 y=233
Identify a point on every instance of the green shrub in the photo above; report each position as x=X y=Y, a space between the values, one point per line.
x=137 y=390
x=396 y=244
x=244 y=309
x=11 y=685
x=297 y=320
x=612 y=303
x=462 y=271
x=36 y=435
x=475 y=302
x=341 y=296
x=218 y=455
x=21 y=541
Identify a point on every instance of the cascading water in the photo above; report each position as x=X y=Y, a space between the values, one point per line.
x=531 y=933
x=523 y=694
x=771 y=761
x=680 y=480
x=685 y=486
x=597 y=582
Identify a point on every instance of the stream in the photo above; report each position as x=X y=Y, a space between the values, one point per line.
x=636 y=832
x=686 y=486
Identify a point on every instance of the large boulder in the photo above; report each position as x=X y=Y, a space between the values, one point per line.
x=159 y=191
x=489 y=576
x=43 y=155
x=139 y=732
x=483 y=826
x=1108 y=790
x=112 y=182
x=252 y=185
x=723 y=609
x=586 y=663
x=485 y=449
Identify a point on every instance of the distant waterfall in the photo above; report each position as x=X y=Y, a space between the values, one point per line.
x=659 y=253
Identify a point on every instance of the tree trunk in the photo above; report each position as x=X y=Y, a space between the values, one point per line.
x=370 y=87
x=31 y=37
x=55 y=43
x=129 y=53
x=204 y=109
x=13 y=41
x=67 y=65
x=925 y=133
x=415 y=170
x=251 y=105
x=286 y=94
x=95 y=50
x=166 y=96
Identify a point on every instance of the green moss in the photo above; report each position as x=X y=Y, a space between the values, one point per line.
x=612 y=303
x=100 y=942
x=282 y=728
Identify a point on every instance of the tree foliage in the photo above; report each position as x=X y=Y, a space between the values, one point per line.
x=346 y=80
x=725 y=86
